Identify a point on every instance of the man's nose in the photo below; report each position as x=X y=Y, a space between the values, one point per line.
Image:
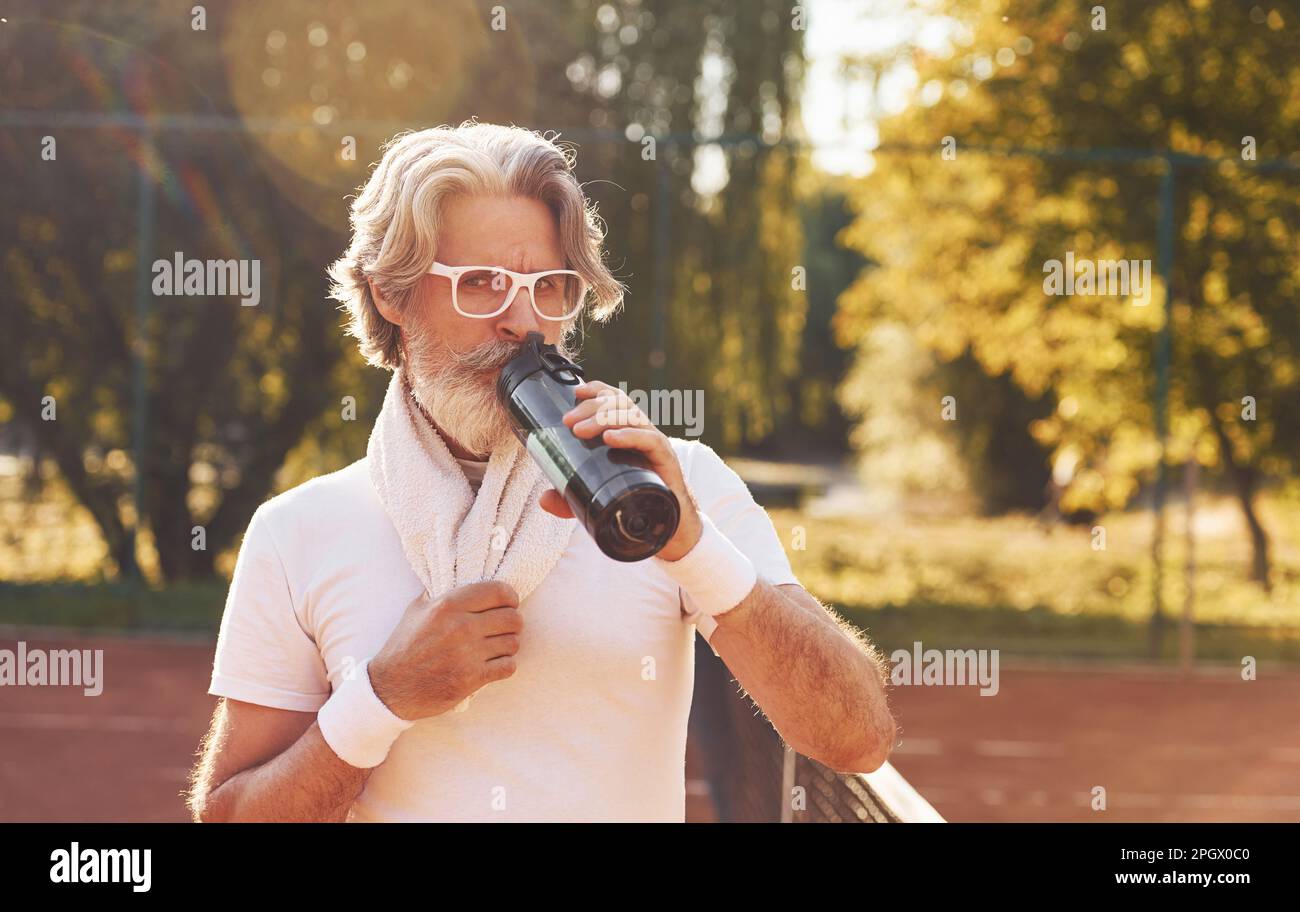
x=519 y=318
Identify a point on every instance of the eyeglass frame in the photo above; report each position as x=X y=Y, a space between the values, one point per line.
x=518 y=280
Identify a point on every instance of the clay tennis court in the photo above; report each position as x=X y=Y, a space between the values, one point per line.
x=1209 y=747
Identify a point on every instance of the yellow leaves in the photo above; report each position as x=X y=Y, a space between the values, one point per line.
x=1207 y=450
x=944 y=337
x=1119 y=489
x=1276 y=230
x=1198 y=214
x=1149 y=317
x=1214 y=288
x=1211 y=64
x=1284 y=372
x=1047 y=431
x=122 y=260
x=1086 y=492
x=1226 y=226
x=1135 y=60
x=274 y=389
x=1228 y=412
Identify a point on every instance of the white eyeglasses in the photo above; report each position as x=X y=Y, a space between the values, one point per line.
x=482 y=292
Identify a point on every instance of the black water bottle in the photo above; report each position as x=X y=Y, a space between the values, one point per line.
x=620 y=501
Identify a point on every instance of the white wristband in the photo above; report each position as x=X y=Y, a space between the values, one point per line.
x=715 y=575
x=357 y=725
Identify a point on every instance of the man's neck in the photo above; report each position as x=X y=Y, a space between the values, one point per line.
x=452 y=446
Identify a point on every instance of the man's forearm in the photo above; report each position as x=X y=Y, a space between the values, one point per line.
x=306 y=783
x=817 y=679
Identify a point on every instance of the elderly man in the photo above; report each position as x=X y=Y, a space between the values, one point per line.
x=428 y=634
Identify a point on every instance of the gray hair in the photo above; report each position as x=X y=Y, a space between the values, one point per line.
x=396 y=215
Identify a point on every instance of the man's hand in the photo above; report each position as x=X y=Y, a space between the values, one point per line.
x=445 y=649
x=608 y=411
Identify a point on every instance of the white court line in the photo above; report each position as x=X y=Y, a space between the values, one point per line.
x=83 y=722
x=1122 y=800
x=1019 y=749
x=929 y=747
x=1011 y=750
x=1242 y=802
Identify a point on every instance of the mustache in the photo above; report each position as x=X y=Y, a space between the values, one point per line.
x=490 y=356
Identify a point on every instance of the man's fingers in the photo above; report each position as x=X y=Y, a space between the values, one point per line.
x=486 y=595
x=588 y=407
x=499 y=668
x=647 y=440
x=612 y=412
x=554 y=503
x=497 y=621
x=503 y=644
x=591 y=388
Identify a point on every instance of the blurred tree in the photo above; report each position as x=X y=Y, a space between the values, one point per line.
x=672 y=77
x=241 y=401
x=962 y=239
x=830 y=269
x=228 y=390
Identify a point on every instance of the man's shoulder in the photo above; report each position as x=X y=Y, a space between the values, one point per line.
x=345 y=495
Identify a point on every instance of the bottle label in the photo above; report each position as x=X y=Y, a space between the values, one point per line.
x=543 y=446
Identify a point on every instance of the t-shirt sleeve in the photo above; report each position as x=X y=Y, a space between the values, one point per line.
x=724 y=497
x=264 y=655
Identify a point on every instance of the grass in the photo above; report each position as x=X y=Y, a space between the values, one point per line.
x=1006 y=583
x=187 y=608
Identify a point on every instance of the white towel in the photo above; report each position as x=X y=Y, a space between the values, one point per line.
x=450 y=536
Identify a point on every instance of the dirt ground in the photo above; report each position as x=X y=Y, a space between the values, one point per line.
x=1209 y=747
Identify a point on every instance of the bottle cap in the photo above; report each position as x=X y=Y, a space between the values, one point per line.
x=536 y=355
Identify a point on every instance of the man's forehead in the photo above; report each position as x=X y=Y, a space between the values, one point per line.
x=515 y=232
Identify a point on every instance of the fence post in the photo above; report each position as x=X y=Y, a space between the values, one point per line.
x=1165 y=264
x=139 y=343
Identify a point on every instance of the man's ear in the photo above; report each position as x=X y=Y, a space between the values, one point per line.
x=389 y=313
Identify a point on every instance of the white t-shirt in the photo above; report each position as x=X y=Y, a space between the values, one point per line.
x=592 y=725
x=474 y=470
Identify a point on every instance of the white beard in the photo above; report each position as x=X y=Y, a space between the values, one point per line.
x=458 y=390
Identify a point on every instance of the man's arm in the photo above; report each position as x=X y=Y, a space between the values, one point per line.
x=260 y=764
x=818 y=680
x=264 y=764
